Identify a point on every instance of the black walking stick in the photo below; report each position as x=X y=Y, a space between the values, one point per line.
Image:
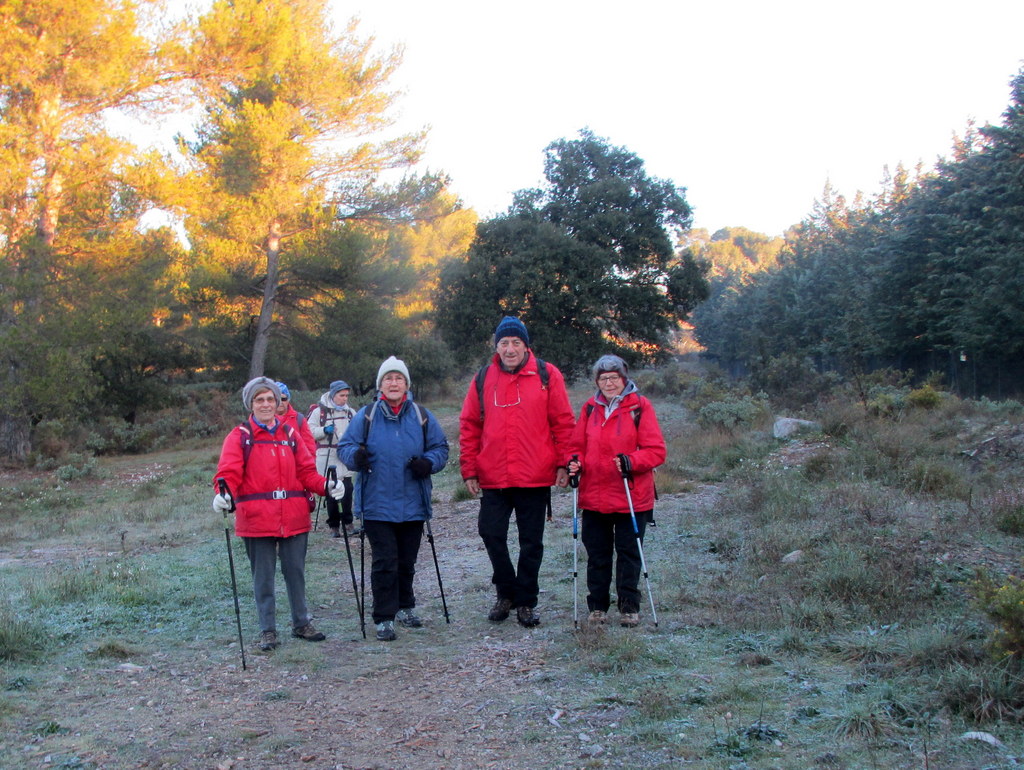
x=574 y=482
x=362 y=554
x=222 y=485
x=624 y=467
x=332 y=475
x=437 y=569
x=433 y=549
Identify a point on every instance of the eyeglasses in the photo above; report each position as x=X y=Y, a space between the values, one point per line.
x=514 y=403
x=606 y=378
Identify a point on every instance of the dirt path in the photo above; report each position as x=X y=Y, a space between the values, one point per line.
x=466 y=695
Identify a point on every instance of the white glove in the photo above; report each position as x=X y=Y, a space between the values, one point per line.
x=336 y=489
x=221 y=504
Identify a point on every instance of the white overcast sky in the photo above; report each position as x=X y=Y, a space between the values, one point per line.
x=751 y=106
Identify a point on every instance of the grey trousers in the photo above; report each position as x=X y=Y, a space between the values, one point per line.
x=263 y=553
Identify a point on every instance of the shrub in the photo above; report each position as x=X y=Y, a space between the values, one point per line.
x=924 y=398
x=1004 y=606
x=1007 y=510
x=732 y=413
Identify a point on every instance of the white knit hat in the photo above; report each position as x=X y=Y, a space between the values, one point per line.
x=393 y=364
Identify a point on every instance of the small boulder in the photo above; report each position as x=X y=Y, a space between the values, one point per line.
x=789 y=426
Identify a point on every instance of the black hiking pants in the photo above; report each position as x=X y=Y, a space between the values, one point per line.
x=609 y=537
x=530 y=504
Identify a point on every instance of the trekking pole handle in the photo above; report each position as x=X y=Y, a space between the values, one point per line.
x=574 y=478
x=332 y=475
x=222 y=485
x=625 y=466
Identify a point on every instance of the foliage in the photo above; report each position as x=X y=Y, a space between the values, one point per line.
x=586 y=262
x=283 y=97
x=733 y=412
x=926 y=275
x=1004 y=606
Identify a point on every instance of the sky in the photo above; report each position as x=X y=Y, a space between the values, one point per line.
x=752 y=107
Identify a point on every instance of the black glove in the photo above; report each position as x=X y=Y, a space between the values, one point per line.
x=328 y=430
x=420 y=467
x=361 y=459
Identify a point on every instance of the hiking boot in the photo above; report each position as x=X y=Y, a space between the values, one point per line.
x=386 y=631
x=268 y=641
x=527 y=616
x=629 y=619
x=500 y=610
x=597 y=617
x=355 y=532
x=309 y=633
x=335 y=532
x=408 y=618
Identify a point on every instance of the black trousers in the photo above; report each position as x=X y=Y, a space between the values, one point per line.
x=337 y=514
x=530 y=504
x=606 y=535
x=394 y=546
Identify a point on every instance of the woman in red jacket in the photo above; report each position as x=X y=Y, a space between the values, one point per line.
x=270 y=473
x=616 y=421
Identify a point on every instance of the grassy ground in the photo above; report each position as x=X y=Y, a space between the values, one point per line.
x=816 y=597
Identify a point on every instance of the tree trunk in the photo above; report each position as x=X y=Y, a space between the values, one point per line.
x=272 y=246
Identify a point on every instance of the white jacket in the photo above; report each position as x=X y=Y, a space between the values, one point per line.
x=325 y=413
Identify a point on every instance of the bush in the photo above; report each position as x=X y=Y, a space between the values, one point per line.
x=924 y=398
x=1007 y=510
x=733 y=413
x=1004 y=606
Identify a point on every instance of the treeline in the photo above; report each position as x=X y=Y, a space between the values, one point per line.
x=927 y=277
x=294 y=239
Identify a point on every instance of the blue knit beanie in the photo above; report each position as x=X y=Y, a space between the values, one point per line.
x=511 y=327
x=336 y=386
x=285 y=393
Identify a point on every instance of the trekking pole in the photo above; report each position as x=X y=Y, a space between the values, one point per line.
x=316 y=521
x=332 y=475
x=433 y=548
x=437 y=569
x=624 y=467
x=574 y=482
x=222 y=485
x=362 y=556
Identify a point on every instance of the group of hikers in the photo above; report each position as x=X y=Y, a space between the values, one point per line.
x=518 y=437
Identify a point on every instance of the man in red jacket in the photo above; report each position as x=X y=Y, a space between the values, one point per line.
x=270 y=472
x=515 y=427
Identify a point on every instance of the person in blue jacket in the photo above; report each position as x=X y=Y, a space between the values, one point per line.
x=395 y=445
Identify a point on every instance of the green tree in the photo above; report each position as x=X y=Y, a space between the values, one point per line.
x=280 y=151
x=587 y=261
x=69 y=194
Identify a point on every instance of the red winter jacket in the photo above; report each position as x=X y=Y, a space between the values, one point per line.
x=273 y=466
x=597 y=441
x=525 y=431
x=291 y=417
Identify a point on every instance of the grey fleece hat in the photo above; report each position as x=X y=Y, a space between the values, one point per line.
x=254 y=386
x=607 y=364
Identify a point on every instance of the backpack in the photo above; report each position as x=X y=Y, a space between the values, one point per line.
x=542 y=370
x=291 y=440
x=323 y=413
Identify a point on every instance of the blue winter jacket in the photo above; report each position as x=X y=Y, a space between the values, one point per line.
x=388 y=491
